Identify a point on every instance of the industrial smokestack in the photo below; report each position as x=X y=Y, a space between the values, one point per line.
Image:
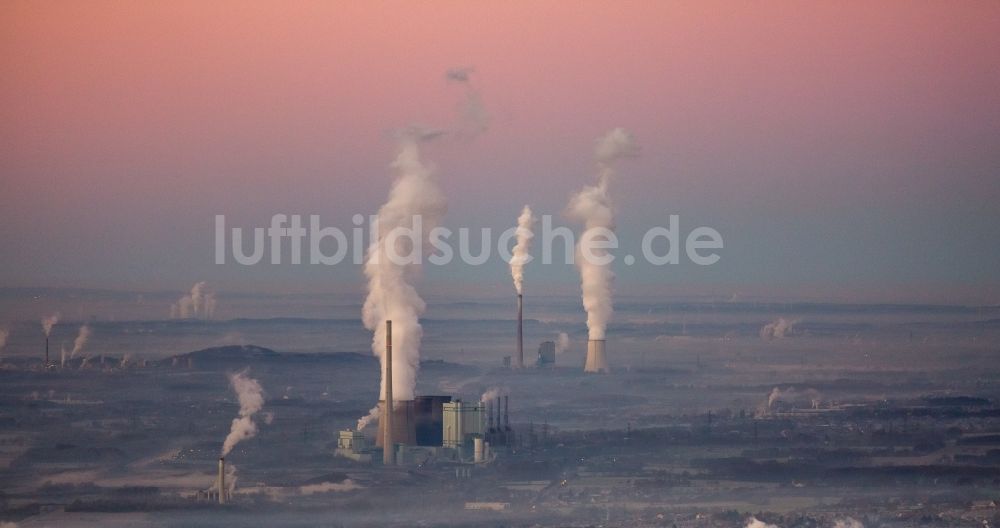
x=222 y=480
x=520 y=257
x=520 y=332
x=388 y=446
x=506 y=414
x=46 y=350
x=596 y=359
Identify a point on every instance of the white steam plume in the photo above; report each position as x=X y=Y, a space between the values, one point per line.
x=520 y=255
x=81 y=340
x=793 y=397
x=49 y=322
x=199 y=302
x=369 y=418
x=778 y=328
x=491 y=394
x=416 y=205
x=251 y=398
x=592 y=206
x=848 y=522
x=562 y=342
x=753 y=522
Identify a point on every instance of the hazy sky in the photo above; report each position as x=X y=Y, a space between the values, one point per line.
x=845 y=150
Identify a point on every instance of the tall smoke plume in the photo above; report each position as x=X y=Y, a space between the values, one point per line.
x=416 y=205
x=49 y=322
x=81 y=340
x=251 y=398
x=778 y=328
x=520 y=255
x=198 y=303
x=593 y=207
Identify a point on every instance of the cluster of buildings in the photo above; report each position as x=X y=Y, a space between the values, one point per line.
x=435 y=427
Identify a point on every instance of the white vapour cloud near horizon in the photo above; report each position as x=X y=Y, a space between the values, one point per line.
x=592 y=206
x=197 y=303
x=251 y=398
x=753 y=522
x=520 y=255
x=81 y=340
x=778 y=329
x=49 y=322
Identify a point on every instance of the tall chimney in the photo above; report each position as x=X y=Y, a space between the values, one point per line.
x=222 y=480
x=388 y=445
x=596 y=359
x=520 y=334
x=46 y=351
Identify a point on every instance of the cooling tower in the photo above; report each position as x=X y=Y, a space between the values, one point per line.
x=222 y=480
x=387 y=422
x=520 y=334
x=596 y=359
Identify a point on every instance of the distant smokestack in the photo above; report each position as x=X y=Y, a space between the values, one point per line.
x=222 y=480
x=596 y=359
x=489 y=415
x=520 y=332
x=506 y=415
x=46 y=350
x=388 y=446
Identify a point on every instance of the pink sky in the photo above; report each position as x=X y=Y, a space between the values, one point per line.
x=128 y=125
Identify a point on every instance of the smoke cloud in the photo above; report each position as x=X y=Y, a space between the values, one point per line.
x=416 y=205
x=562 y=343
x=808 y=397
x=848 y=522
x=251 y=398
x=593 y=207
x=474 y=117
x=372 y=415
x=81 y=340
x=753 y=522
x=492 y=393
x=778 y=328
x=520 y=255
x=49 y=322
x=199 y=302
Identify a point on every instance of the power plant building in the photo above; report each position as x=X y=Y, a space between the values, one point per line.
x=546 y=354
x=462 y=421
